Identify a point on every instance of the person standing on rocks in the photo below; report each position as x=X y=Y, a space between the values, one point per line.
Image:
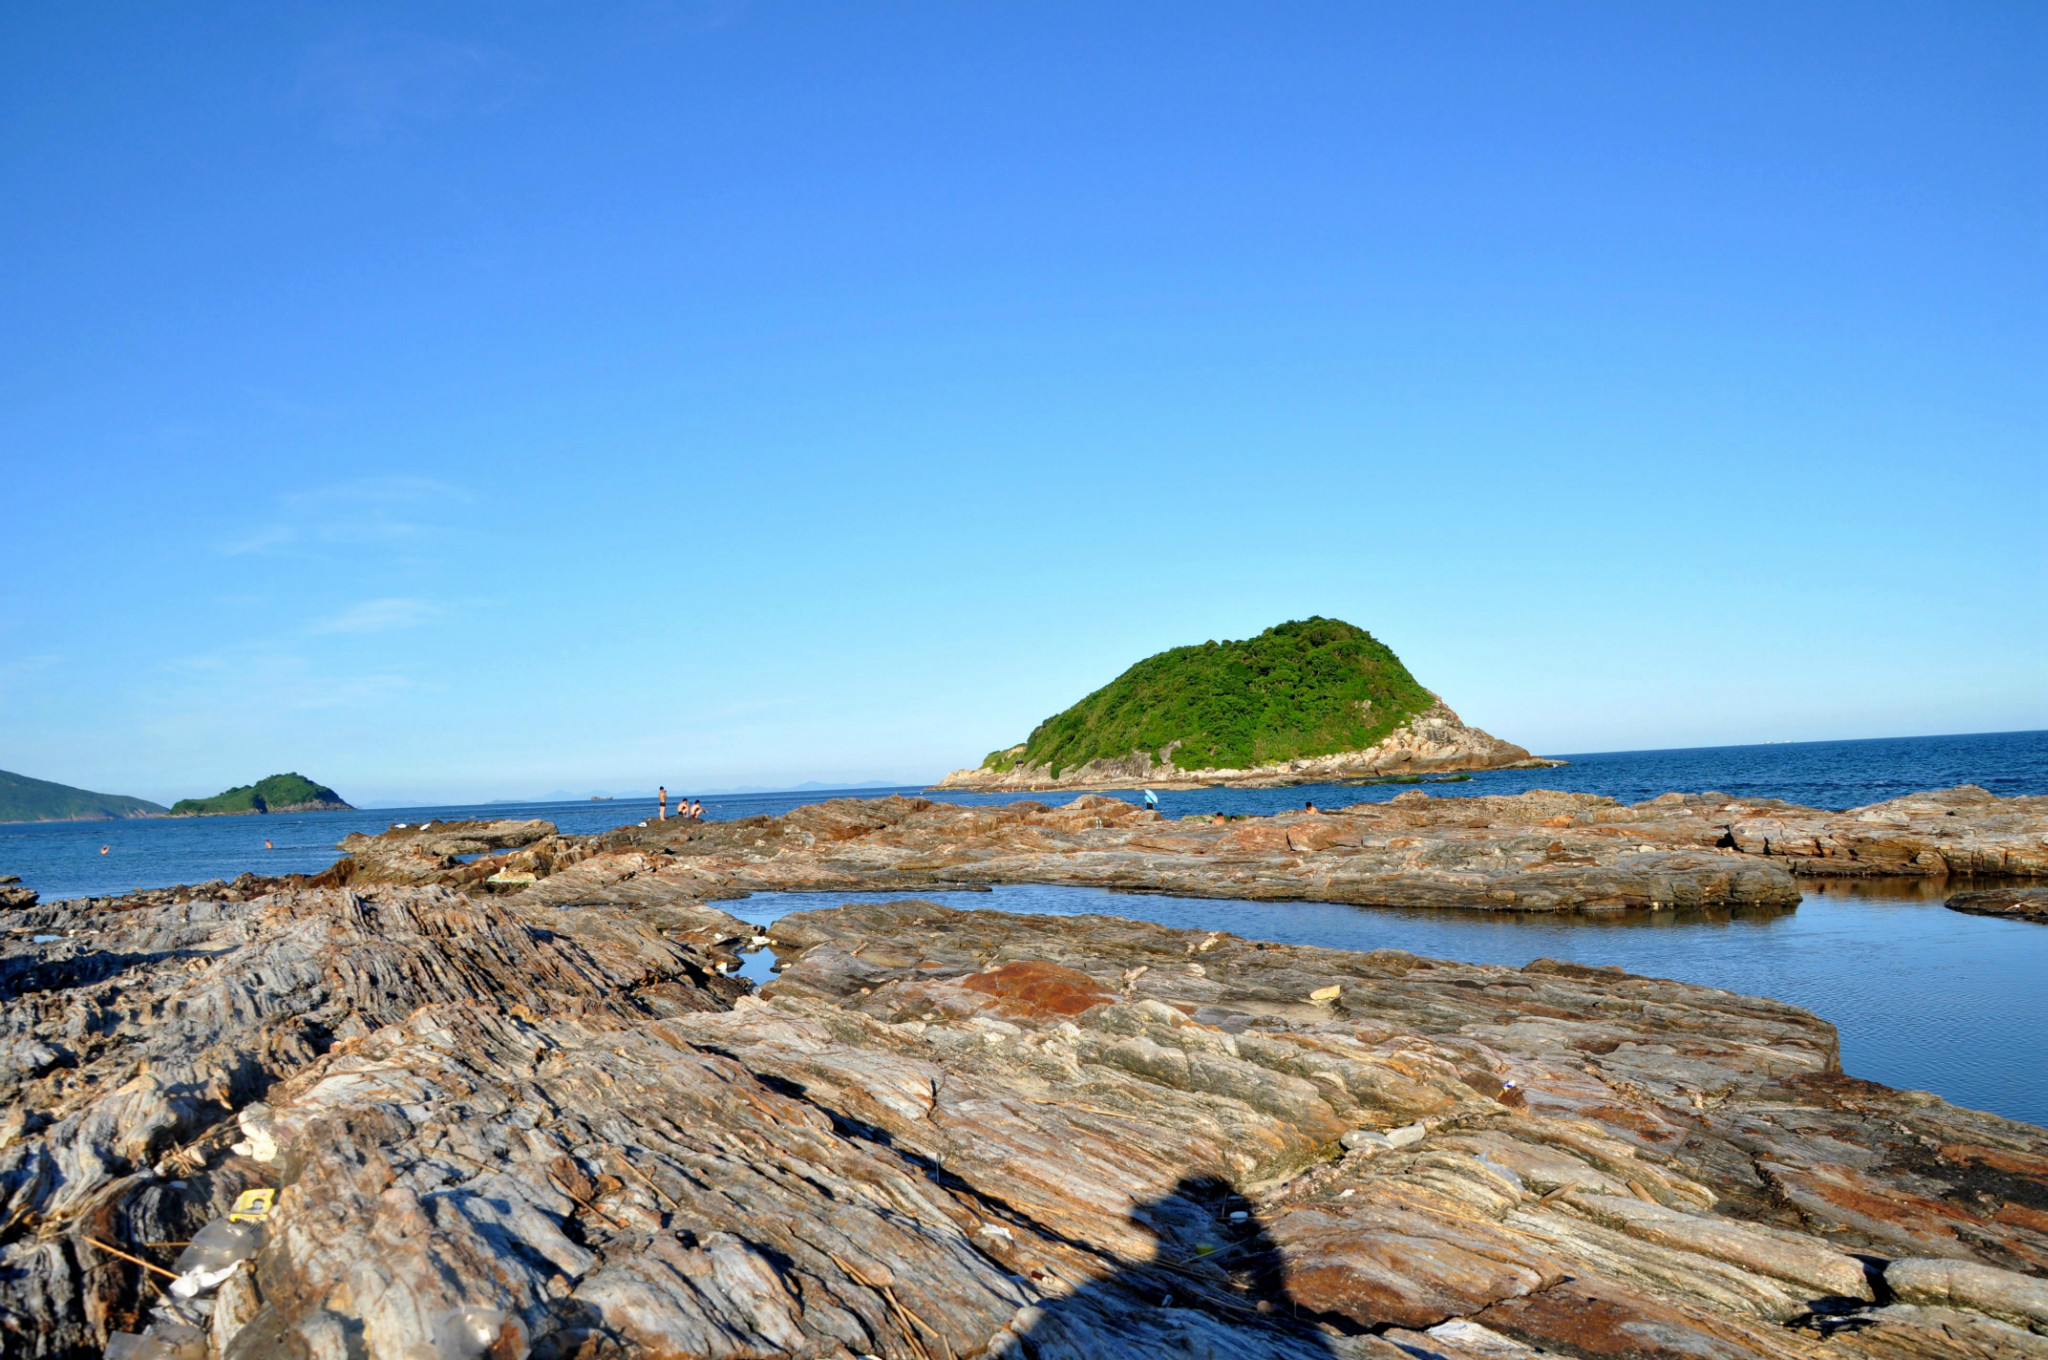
x=661 y=796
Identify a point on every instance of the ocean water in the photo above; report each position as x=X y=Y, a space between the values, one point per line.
x=65 y=859
x=1923 y=997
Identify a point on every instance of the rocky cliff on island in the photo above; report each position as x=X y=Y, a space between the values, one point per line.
x=1316 y=701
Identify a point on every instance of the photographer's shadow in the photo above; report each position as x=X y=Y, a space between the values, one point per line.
x=1228 y=1302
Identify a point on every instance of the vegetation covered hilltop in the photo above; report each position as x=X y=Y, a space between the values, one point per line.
x=39 y=800
x=278 y=793
x=1296 y=691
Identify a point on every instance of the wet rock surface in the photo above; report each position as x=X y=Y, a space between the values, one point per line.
x=940 y=1133
x=2019 y=904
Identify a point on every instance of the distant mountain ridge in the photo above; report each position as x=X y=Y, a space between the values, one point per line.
x=23 y=799
x=278 y=793
x=1303 y=702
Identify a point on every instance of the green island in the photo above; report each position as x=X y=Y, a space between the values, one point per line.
x=278 y=793
x=23 y=799
x=1309 y=688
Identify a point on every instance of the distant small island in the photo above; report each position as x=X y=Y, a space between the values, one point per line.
x=1311 y=701
x=278 y=793
x=23 y=799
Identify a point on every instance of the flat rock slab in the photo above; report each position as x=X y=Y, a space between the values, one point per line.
x=943 y=1133
x=1540 y=851
x=2018 y=904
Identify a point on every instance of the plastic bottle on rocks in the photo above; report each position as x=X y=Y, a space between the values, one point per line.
x=471 y=1333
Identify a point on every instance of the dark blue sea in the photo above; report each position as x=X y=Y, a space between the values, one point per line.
x=64 y=859
x=1924 y=997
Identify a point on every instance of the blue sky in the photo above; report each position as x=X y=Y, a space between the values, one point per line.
x=480 y=401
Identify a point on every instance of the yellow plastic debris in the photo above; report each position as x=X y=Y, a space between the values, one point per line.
x=1326 y=993
x=253 y=1206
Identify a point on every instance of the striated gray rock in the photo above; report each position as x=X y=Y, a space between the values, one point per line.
x=2004 y=1294
x=1435 y=741
x=957 y=1134
x=466 y=855
x=1539 y=851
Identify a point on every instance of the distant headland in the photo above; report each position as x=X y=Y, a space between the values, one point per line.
x=1308 y=702
x=23 y=799
x=278 y=793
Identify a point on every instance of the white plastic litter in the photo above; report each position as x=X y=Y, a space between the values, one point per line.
x=469 y=1332
x=218 y=1246
x=257 y=1139
x=199 y=1280
x=176 y=1340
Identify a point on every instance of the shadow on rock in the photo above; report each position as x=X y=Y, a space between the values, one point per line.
x=1214 y=1288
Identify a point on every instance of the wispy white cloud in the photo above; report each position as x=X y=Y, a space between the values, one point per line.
x=268 y=678
x=391 y=511
x=270 y=538
x=377 y=616
x=369 y=87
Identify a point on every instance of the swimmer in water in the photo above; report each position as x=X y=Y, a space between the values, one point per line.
x=105 y=848
x=268 y=846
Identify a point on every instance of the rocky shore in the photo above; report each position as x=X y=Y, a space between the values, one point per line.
x=2018 y=904
x=1539 y=851
x=523 y=1098
x=1433 y=742
x=565 y=1132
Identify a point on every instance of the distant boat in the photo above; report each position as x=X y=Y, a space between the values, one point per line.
x=600 y=798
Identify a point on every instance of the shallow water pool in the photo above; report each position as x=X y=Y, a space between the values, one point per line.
x=1923 y=997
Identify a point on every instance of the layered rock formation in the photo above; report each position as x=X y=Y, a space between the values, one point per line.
x=2019 y=904
x=1540 y=851
x=508 y=1084
x=1432 y=742
x=561 y=1132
